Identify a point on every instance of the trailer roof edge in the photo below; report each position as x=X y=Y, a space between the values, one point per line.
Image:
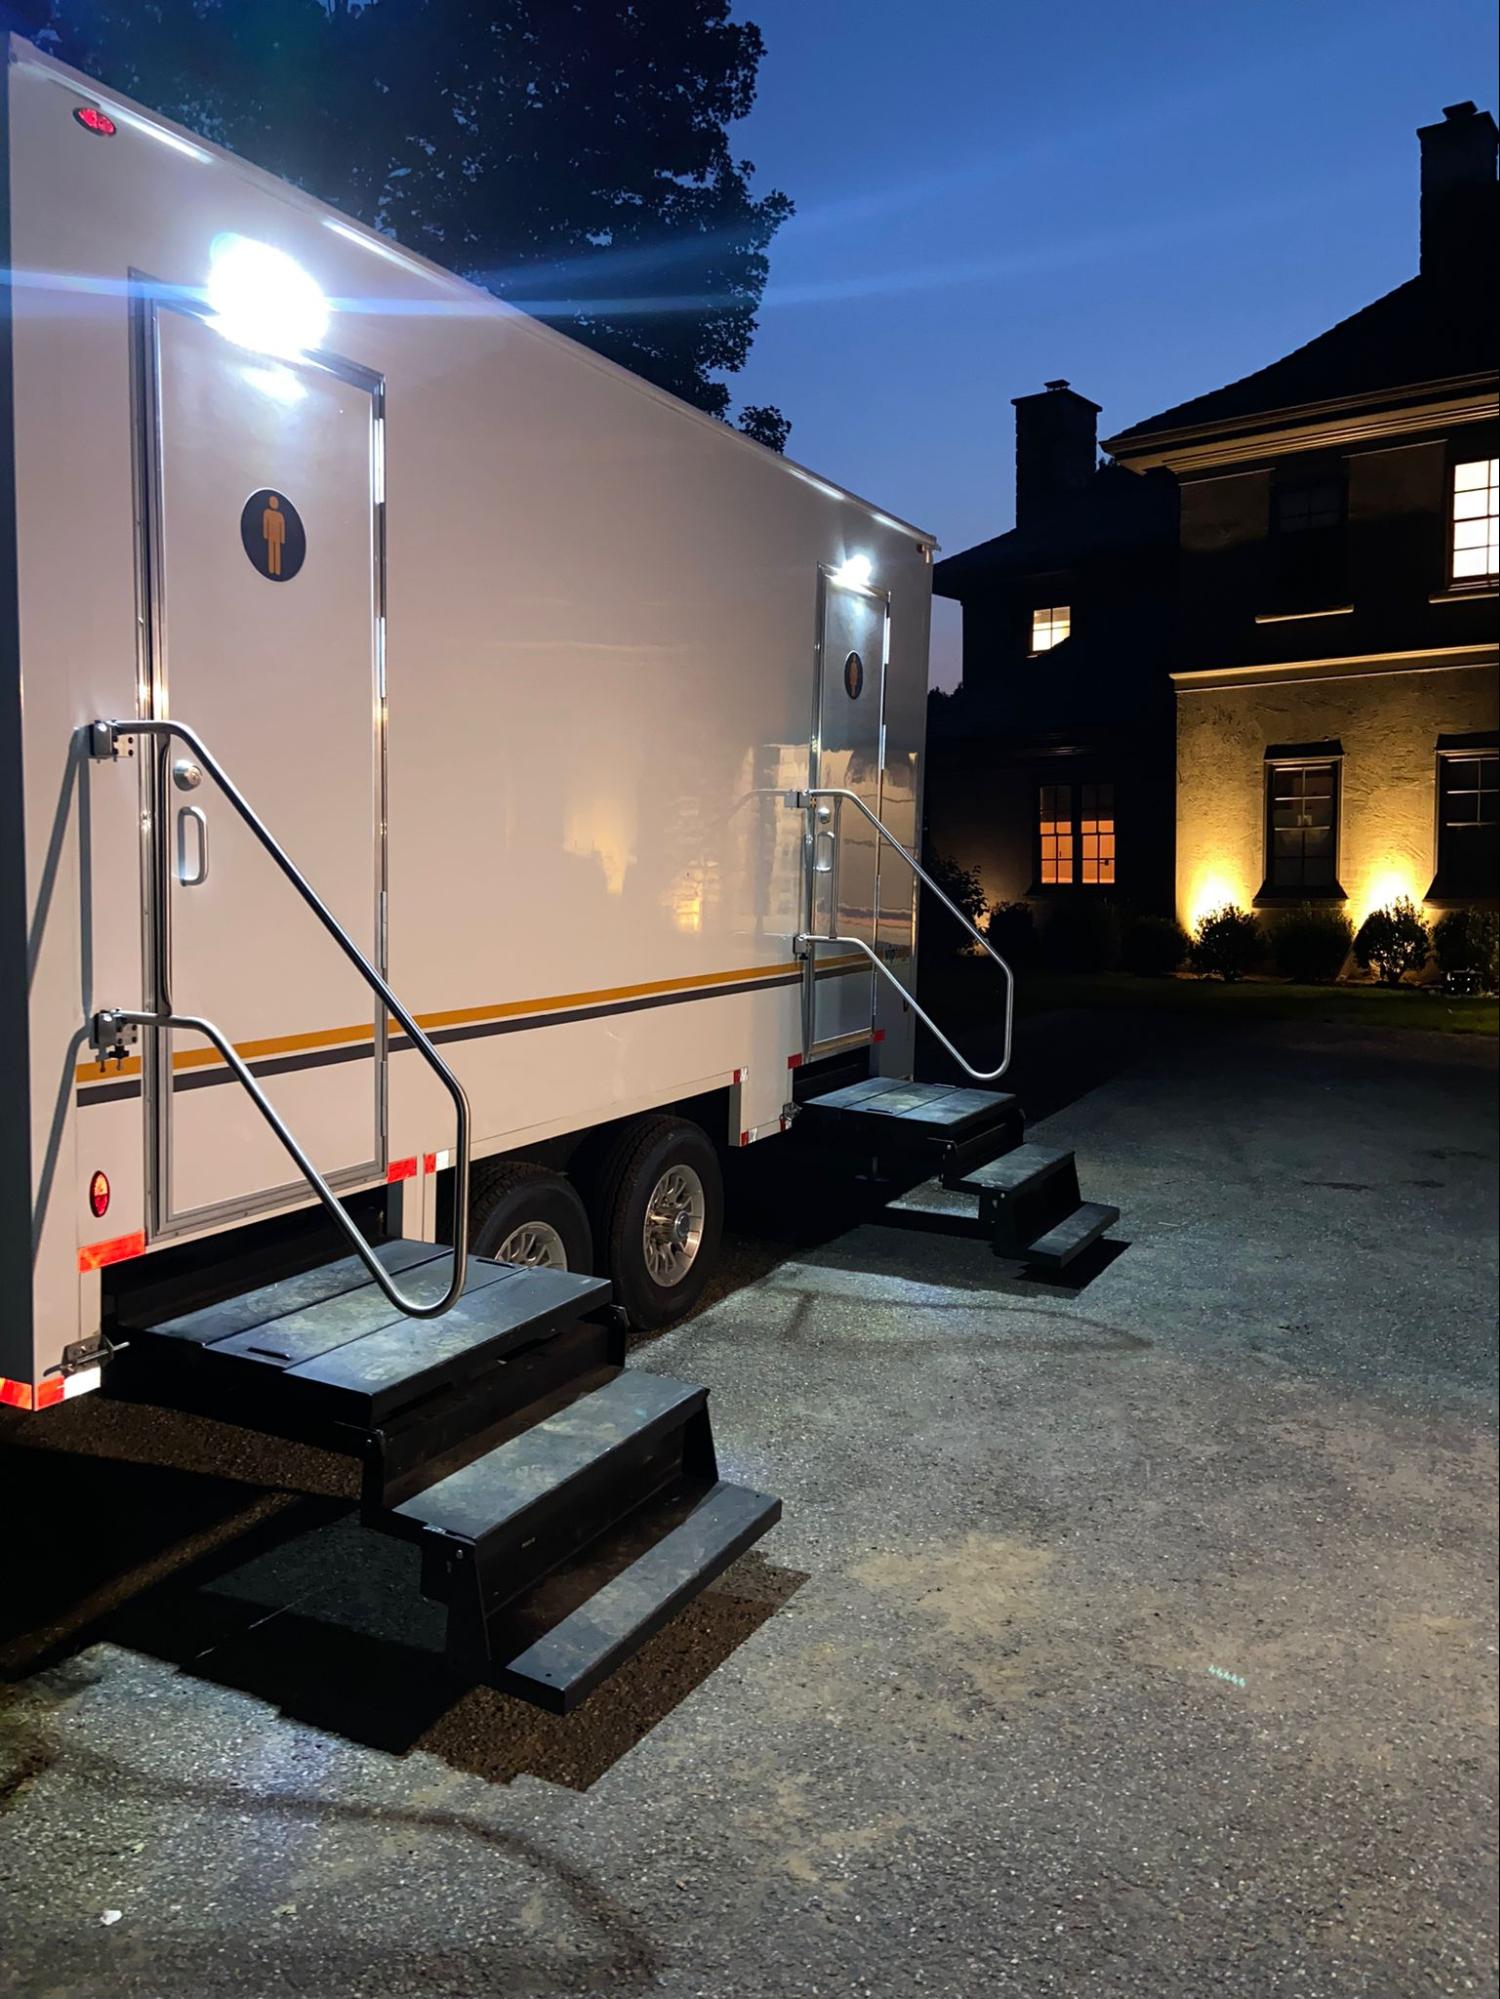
x=27 y=55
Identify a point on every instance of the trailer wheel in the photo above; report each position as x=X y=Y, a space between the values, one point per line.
x=525 y=1215
x=660 y=1216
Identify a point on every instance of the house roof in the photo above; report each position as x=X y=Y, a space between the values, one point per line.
x=1424 y=331
x=1118 y=511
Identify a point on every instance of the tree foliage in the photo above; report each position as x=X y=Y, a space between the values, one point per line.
x=571 y=155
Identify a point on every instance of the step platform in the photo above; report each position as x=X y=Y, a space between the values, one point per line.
x=1025 y=1203
x=564 y=1506
x=954 y=1126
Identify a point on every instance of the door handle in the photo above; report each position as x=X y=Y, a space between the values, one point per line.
x=191 y=815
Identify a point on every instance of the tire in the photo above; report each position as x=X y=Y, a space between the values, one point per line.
x=672 y=1161
x=532 y=1214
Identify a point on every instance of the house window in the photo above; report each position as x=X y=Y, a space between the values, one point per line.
x=1050 y=625
x=1075 y=834
x=1096 y=829
x=1468 y=857
x=1302 y=827
x=1475 y=548
x=1308 y=545
x=1055 y=825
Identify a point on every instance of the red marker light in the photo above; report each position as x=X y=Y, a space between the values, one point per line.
x=99 y=1195
x=92 y=119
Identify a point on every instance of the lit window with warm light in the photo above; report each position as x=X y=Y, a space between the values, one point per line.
x=1055 y=830
x=1096 y=833
x=1075 y=835
x=1050 y=625
x=1475 y=547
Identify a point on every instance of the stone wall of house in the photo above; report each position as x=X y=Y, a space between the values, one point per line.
x=1387 y=723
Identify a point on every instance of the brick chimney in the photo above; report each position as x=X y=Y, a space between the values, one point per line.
x=1056 y=449
x=1458 y=190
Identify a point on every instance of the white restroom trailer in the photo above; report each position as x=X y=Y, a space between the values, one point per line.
x=517 y=658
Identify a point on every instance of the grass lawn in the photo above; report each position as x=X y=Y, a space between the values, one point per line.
x=966 y=994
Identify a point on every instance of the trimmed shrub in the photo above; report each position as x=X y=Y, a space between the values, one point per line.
x=1082 y=935
x=1228 y=944
x=1011 y=928
x=1311 y=942
x=1154 y=946
x=1468 y=940
x=1392 y=942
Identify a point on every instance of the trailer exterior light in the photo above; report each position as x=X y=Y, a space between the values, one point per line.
x=262 y=299
x=855 y=570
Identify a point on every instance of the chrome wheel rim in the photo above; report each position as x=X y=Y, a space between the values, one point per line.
x=536 y=1245
x=673 y=1231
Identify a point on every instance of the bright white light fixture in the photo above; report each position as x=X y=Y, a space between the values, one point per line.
x=263 y=299
x=855 y=570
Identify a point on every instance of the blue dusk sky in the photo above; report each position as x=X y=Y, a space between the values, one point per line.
x=1149 y=199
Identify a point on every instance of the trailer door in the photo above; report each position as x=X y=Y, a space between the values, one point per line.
x=263 y=589
x=848 y=745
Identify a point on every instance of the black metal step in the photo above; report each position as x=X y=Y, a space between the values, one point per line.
x=913 y=1111
x=883 y=1117
x=326 y=1281
x=498 y=1492
x=1024 y=1193
x=496 y=1527
x=1071 y=1236
x=328 y=1346
x=556 y=1645
x=1013 y=1172
x=363 y=1381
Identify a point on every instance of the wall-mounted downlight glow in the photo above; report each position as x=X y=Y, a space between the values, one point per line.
x=855 y=570
x=263 y=299
x=279 y=383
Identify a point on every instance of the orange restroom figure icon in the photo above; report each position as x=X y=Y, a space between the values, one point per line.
x=273 y=535
x=273 y=532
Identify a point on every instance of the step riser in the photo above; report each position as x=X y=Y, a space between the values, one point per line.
x=478 y=1578
x=1014 y=1220
x=459 y=1424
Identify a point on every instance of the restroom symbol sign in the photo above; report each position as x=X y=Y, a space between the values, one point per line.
x=273 y=535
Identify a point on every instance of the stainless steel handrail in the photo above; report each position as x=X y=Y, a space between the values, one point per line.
x=164 y=731
x=810 y=936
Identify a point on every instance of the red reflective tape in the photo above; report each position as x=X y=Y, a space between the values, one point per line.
x=794 y=1061
x=94 y=1255
x=878 y=1035
x=402 y=1169
x=49 y=1392
x=15 y=1394
x=744 y=1138
x=429 y=1162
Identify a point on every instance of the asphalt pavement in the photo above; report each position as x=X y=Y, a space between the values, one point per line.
x=1129 y=1639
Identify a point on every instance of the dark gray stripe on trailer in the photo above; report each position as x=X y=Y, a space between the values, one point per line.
x=322 y=1058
